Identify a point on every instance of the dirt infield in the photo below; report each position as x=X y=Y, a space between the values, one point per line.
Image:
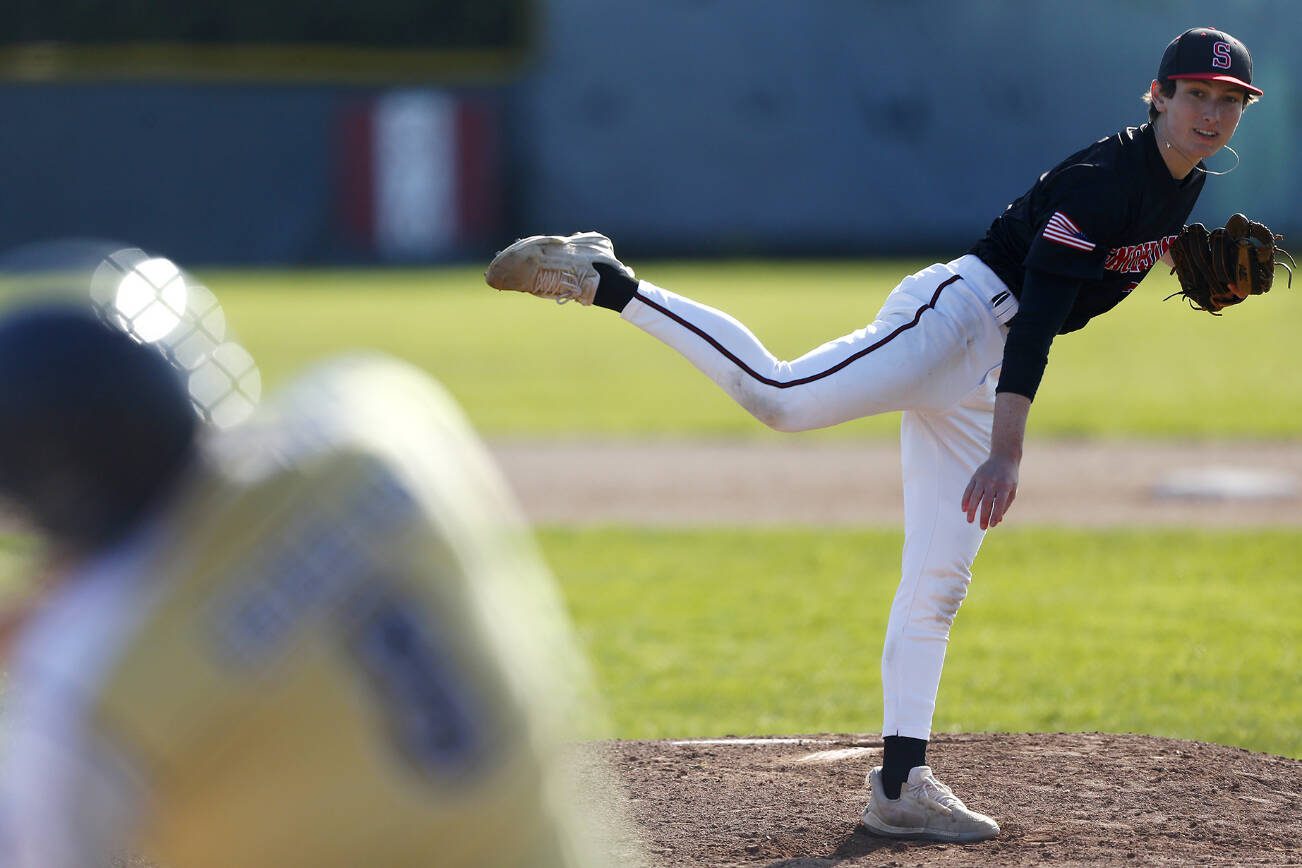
x=1088 y=799
x=835 y=483
x=1060 y=799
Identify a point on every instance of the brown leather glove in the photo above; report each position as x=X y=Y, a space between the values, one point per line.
x=1223 y=267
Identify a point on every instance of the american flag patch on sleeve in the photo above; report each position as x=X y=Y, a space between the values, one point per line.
x=1061 y=230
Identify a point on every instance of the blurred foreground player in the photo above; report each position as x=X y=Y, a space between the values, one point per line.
x=319 y=639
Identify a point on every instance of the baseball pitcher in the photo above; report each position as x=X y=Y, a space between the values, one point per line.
x=960 y=348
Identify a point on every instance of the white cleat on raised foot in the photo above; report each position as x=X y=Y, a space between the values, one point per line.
x=926 y=810
x=554 y=266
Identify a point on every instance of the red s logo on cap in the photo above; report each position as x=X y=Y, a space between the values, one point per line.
x=1221 y=55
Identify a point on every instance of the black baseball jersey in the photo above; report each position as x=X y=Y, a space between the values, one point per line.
x=1101 y=217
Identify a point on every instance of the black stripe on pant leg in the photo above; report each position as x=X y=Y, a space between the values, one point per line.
x=699 y=332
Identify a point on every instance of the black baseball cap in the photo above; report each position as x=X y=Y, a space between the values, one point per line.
x=1208 y=54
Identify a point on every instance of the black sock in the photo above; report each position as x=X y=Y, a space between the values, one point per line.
x=615 y=290
x=899 y=756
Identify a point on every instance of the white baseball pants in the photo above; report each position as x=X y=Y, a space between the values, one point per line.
x=934 y=352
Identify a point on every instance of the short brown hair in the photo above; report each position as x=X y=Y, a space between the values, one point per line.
x=1167 y=88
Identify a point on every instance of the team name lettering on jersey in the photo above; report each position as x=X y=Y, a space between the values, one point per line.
x=1221 y=55
x=313 y=564
x=1060 y=230
x=1137 y=257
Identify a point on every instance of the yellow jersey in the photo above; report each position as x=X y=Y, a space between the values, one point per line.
x=336 y=647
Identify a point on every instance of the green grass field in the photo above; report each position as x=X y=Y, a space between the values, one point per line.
x=522 y=366
x=761 y=632
x=748 y=632
x=1187 y=634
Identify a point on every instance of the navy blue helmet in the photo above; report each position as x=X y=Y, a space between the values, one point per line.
x=95 y=428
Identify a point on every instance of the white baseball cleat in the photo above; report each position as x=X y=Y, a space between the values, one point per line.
x=926 y=810
x=554 y=266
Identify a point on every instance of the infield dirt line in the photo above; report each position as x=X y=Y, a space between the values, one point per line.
x=1111 y=483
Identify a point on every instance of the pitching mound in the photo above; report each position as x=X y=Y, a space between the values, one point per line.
x=1060 y=798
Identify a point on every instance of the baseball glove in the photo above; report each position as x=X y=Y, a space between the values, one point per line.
x=1223 y=267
